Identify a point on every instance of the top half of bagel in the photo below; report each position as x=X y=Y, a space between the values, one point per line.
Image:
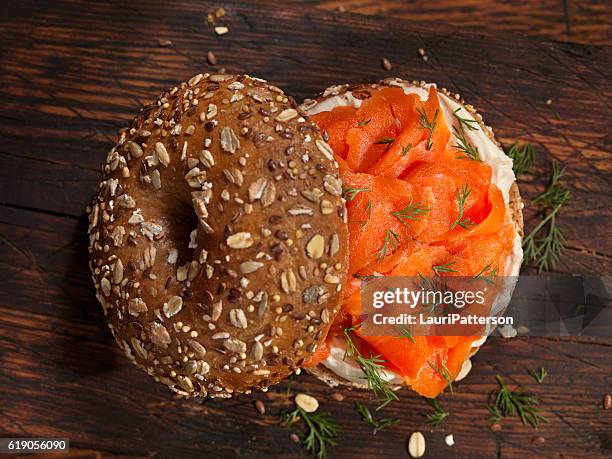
x=218 y=237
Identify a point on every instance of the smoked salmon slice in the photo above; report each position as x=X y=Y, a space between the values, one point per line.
x=414 y=205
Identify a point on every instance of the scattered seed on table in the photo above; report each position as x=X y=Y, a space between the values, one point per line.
x=449 y=440
x=386 y=64
x=496 y=427
x=416 y=444
x=607 y=402
x=163 y=42
x=211 y=58
x=539 y=440
x=219 y=12
x=307 y=403
x=260 y=407
x=337 y=396
x=294 y=438
x=221 y=30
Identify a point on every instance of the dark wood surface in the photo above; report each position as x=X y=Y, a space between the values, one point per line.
x=578 y=21
x=72 y=73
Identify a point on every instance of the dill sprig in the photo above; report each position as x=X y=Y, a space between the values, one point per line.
x=392 y=241
x=372 y=368
x=539 y=375
x=366 y=416
x=404 y=333
x=350 y=193
x=461 y=196
x=425 y=124
x=469 y=150
x=440 y=414
x=508 y=403
x=442 y=370
x=445 y=268
x=364 y=123
x=466 y=123
x=366 y=277
x=406 y=149
x=544 y=251
x=487 y=274
x=412 y=212
x=321 y=430
x=522 y=157
x=385 y=140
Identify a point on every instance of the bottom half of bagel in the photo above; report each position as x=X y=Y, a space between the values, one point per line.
x=427 y=185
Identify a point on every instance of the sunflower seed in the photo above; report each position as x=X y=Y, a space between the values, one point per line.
x=334 y=244
x=315 y=247
x=105 y=285
x=217 y=309
x=248 y=267
x=286 y=115
x=134 y=149
x=200 y=351
x=195 y=79
x=257 y=351
x=162 y=154
x=118 y=271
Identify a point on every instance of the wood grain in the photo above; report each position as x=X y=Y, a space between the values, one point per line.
x=579 y=21
x=72 y=73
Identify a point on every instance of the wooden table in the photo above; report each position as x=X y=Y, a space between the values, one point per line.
x=74 y=72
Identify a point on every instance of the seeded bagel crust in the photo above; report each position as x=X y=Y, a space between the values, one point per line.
x=218 y=240
x=364 y=91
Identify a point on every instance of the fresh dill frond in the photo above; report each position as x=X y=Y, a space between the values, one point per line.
x=426 y=124
x=445 y=268
x=470 y=151
x=539 y=375
x=466 y=123
x=406 y=149
x=366 y=277
x=392 y=241
x=544 y=251
x=516 y=402
x=364 y=123
x=385 y=140
x=350 y=193
x=442 y=370
x=496 y=416
x=321 y=430
x=440 y=414
x=412 y=212
x=522 y=157
x=372 y=368
x=461 y=196
x=292 y=377
x=366 y=416
x=487 y=274
x=404 y=333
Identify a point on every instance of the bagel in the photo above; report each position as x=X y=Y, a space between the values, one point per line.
x=336 y=368
x=218 y=239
